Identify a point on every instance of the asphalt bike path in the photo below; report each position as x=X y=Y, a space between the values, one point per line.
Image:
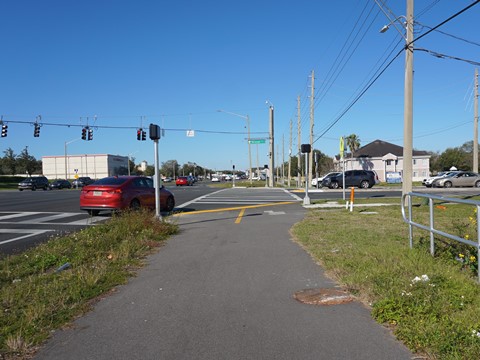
x=223 y=288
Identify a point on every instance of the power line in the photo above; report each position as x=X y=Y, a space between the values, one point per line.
x=135 y=127
x=442 y=23
x=359 y=96
x=450 y=35
x=443 y=56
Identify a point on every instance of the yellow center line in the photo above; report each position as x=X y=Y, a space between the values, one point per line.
x=239 y=217
x=234 y=208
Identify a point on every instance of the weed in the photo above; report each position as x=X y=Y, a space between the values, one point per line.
x=36 y=298
x=430 y=305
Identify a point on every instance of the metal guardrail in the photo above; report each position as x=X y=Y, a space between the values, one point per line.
x=431 y=227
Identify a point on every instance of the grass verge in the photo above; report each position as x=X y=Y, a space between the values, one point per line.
x=431 y=303
x=37 y=298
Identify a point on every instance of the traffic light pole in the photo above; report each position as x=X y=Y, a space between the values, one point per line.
x=157 y=182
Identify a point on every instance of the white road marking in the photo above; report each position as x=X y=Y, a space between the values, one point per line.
x=28 y=232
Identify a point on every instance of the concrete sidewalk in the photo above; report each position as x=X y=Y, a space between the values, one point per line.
x=223 y=289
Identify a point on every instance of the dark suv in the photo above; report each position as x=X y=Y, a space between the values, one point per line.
x=33 y=183
x=82 y=181
x=360 y=178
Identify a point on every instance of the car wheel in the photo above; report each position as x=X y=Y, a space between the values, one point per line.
x=447 y=184
x=93 y=212
x=45 y=187
x=170 y=203
x=135 y=204
x=334 y=185
x=20 y=189
x=364 y=184
x=477 y=184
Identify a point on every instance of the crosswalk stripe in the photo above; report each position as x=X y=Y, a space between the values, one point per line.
x=29 y=233
x=48 y=218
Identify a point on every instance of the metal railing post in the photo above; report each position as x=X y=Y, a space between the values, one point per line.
x=432 y=226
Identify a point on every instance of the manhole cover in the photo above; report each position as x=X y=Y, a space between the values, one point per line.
x=323 y=296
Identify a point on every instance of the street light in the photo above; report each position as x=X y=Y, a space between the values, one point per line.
x=272 y=145
x=408 y=96
x=66 y=163
x=128 y=161
x=247 y=118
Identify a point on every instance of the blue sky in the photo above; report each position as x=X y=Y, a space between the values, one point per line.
x=176 y=63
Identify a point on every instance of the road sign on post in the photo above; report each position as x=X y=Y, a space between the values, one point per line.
x=256 y=141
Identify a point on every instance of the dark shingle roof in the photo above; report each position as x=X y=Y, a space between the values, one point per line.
x=379 y=148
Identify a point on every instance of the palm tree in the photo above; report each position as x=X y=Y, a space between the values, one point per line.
x=353 y=143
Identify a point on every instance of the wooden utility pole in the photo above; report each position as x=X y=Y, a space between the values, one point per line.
x=312 y=108
x=289 y=175
x=475 y=125
x=299 y=138
x=283 y=160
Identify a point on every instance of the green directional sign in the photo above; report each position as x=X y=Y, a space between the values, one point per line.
x=257 y=141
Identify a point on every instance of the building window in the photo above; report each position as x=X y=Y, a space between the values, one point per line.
x=389 y=162
x=414 y=161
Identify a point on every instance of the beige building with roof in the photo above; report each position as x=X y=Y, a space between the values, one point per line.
x=386 y=160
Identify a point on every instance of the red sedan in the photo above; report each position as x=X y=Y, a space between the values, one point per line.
x=182 y=180
x=123 y=192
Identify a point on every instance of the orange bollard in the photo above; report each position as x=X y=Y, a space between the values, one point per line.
x=352 y=197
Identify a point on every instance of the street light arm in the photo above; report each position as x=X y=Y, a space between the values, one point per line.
x=231 y=113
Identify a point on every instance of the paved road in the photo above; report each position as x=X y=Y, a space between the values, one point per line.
x=223 y=289
x=29 y=218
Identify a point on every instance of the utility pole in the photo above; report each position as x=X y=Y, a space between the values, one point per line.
x=299 y=139
x=408 y=105
x=312 y=107
x=277 y=170
x=272 y=148
x=289 y=175
x=283 y=160
x=475 y=125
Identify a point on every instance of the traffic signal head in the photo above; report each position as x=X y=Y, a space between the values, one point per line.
x=144 y=135
x=36 y=130
x=139 y=134
x=84 y=133
x=90 y=134
x=4 y=130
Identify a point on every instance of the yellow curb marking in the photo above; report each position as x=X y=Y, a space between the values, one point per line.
x=239 y=217
x=235 y=208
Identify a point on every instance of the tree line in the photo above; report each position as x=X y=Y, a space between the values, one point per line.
x=23 y=163
x=460 y=157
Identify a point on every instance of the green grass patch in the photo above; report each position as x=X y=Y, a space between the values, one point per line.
x=437 y=314
x=36 y=298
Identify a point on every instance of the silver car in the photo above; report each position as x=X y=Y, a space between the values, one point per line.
x=460 y=178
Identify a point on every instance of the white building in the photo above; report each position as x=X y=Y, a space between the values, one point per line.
x=96 y=166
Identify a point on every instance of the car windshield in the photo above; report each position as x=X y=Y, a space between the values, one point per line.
x=110 y=181
x=27 y=180
x=451 y=174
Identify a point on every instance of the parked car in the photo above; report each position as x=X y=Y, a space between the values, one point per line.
x=360 y=178
x=457 y=179
x=33 y=183
x=167 y=179
x=123 y=192
x=320 y=179
x=82 y=181
x=183 y=181
x=60 y=184
x=429 y=181
x=215 y=179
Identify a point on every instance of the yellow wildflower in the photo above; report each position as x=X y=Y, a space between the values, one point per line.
x=472 y=258
x=466 y=237
x=461 y=256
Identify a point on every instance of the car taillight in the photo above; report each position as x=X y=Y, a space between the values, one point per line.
x=116 y=191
